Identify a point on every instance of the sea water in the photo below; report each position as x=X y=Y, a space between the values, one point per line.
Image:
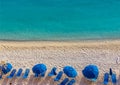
x=59 y=19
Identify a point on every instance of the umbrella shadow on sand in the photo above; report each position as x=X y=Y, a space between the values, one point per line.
x=21 y=81
x=87 y=82
x=119 y=80
x=36 y=81
x=30 y=81
x=12 y=81
x=47 y=81
x=5 y=81
x=9 y=81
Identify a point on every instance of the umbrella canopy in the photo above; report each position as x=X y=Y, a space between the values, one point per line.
x=39 y=68
x=6 y=68
x=70 y=71
x=91 y=72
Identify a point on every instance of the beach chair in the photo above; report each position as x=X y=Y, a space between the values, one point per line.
x=106 y=78
x=3 y=69
x=52 y=72
x=64 y=81
x=12 y=74
x=0 y=76
x=0 y=68
x=58 y=77
x=27 y=71
x=113 y=78
x=110 y=72
x=19 y=72
x=71 y=82
x=0 y=72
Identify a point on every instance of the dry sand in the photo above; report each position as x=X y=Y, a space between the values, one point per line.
x=78 y=54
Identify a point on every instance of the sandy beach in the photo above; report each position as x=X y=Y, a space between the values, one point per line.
x=78 y=54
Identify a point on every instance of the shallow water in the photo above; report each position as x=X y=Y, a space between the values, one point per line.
x=59 y=19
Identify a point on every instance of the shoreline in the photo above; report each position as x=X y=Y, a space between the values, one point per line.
x=71 y=40
x=88 y=44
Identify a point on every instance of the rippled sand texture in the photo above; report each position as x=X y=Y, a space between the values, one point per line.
x=105 y=54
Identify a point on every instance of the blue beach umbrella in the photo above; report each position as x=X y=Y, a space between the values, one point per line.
x=39 y=68
x=70 y=71
x=7 y=68
x=91 y=72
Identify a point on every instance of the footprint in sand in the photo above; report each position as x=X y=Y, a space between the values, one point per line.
x=118 y=60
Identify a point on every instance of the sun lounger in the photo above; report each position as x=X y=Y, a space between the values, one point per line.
x=12 y=74
x=106 y=78
x=111 y=72
x=19 y=72
x=0 y=76
x=0 y=72
x=64 y=81
x=53 y=72
x=58 y=77
x=27 y=71
x=0 y=68
x=113 y=78
x=3 y=69
x=71 y=82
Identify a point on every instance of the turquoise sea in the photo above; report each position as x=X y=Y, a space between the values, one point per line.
x=59 y=19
